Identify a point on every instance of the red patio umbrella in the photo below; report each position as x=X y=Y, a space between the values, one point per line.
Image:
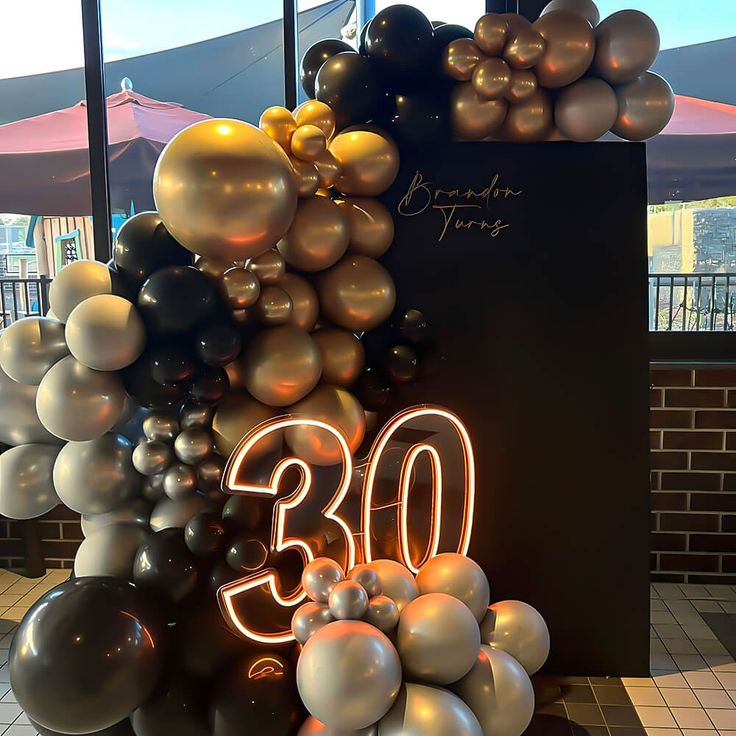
x=44 y=161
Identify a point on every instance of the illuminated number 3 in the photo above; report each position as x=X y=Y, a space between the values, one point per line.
x=264 y=588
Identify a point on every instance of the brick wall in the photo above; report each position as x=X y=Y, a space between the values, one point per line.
x=693 y=438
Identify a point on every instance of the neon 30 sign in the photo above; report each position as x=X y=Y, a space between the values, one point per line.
x=352 y=511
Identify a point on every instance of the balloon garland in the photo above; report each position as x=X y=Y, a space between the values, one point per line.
x=250 y=293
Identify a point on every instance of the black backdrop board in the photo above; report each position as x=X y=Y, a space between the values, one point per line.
x=538 y=309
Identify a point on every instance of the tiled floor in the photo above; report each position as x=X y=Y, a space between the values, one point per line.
x=691 y=691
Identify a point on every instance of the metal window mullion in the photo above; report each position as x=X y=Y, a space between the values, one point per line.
x=291 y=55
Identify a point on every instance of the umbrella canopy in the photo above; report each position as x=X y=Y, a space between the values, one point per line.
x=44 y=160
x=694 y=157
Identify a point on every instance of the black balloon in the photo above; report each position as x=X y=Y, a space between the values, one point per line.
x=119 y=729
x=402 y=364
x=172 y=363
x=143 y=245
x=420 y=119
x=316 y=55
x=209 y=473
x=246 y=555
x=446 y=33
x=413 y=326
x=165 y=564
x=177 y=707
x=221 y=574
x=177 y=299
x=400 y=41
x=259 y=691
x=140 y=384
x=348 y=83
x=205 y=534
x=87 y=654
x=361 y=43
x=122 y=285
x=218 y=345
x=372 y=389
x=211 y=385
x=246 y=513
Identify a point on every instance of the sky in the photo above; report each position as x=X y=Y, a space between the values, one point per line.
x=46 y=35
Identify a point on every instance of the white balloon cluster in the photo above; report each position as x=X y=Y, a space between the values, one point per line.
x=385 y=654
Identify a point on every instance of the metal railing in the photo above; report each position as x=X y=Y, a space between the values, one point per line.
x=692 y=302
x=23 y=297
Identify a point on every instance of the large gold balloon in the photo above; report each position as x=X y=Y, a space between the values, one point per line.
x=371 y=226
x=308 y=142
x=236 y=415
x=530 y=120
x=30 y=346
x=491 y=33
x=586 y=110
x=523 y=85
x=491 y=78
x=335 y=406
x=570 y=46
x=240 y=287
x=357 y=293
x=304 y=301
x=269 y=267
x=282 y=366
x=369 y=161
x=278 y=124
x=314 y=112
x=525 y=49
x=461 y=57
x=318 y=236
x=627 y=43
x=586 y=8
x=76 y=282
x=474 y=118
x=225 y=190
x=342 y=354
x=306 y=176
x=274 y=306
x=645 y=106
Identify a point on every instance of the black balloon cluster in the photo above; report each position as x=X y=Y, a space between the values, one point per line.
x=395 y=80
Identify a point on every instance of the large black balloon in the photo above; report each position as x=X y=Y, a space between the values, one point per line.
x=177 y=299
x=140 y=384
x=413 y=326
x=400 y=41
x=420 y=119
x=178 y=707
x=259 y=691
x=211 y=385
x=218 y=345
x=143 y=245
x=172 y=363
x=315 y=56
x=402 y=364
x=205 y=534
x=87 y=654
x=348 y=83
x=165 y=564
x=119 y=729
x=372 y=389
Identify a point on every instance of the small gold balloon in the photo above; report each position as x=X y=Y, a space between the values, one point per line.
x=304 y=301
x=306 y=176
x=474 y=118
x=328 y=171
x=515 y=22
x=371 y=226
x=342 y=354
x=224 y=189
x=645 y=106
x=525 y=49
x=240 y=287
x=211 y=267
x=530 y=120
x=282 y=365
x=369 y=161
x=244 y=317
x=523 y=85
x=279 y=125
x=314 y=112
x=236 y=415
x=461 y=57
x=491 y=32
x=274 y=306
x=337 y=407
x=268 y=267
x=308 y=142
x=570 y=47
x=491 y=78
x=318 y=236
x=357 y=293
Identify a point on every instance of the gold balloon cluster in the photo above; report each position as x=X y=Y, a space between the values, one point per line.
x=506 y=70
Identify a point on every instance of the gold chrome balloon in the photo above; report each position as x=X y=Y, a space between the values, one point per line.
x=474 y=118
x=224 y=190
x=306 y=176
x=645 y=106
x=586 y=110
x=212 y=267
x=396 y=581
x=328 y=171
x=282 y=365
x=586 y=8
x=515 y=23
x=234 y=372
x=30 y=346
x=269 y=267
x=76 y=282
x=279 y=125
x=371 y=226
x=461 y=57
x=570 y=46
x=530 y=120
x=357 y=293
x=308 y=142
x=304 y=301
x=627 y=43
x=491 y=78
x=318 y=236
x=274 y=306
x=523 y=85
x=369 y=162
x=491 y=32
x=342 y=354
x=337 y=407
x=525 y=49
x=236 y=415
x=314 y=112
x=241 y=288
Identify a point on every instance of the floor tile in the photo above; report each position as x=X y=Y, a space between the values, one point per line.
x=663 y=731
x=729 y=606
x=648 y=696
x=709 y=646
x=724 y=592
x=689 y=662
x=671 y=631
x=714 y=699
x=669 y=679
x=668 y=590
x=638 y=682
x=708 y=606
x=704 y=680
x=679 y=646
x=660 y=661
x=699 y=732
x=620 y=715
x=9 y=712
x=586 y=714
x=694 y=591
x=727 y=679
x=721 y=663
x=611 y=695
x=723 y=719
x=680 y=606
x=698 y=632
x=20 y=731
x=659 y=646
x=680 y=698
x=658 y=605
x=657 y=617
x=656 y=717
x=691 y=718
